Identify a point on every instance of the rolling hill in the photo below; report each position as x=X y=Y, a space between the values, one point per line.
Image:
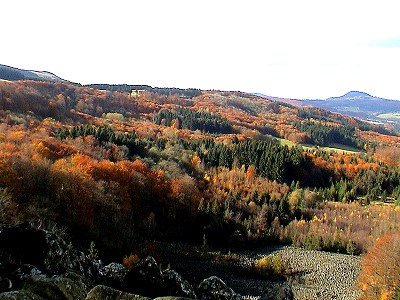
x=11 y=73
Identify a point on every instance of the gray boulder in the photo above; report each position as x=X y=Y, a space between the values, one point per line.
x=56 y=288
x=175 y=285
x=61 y=257
x=25 y=273
x=102 y=292
x=213 y=288
x=112 y=275
x=20 y=295
x=145 y=279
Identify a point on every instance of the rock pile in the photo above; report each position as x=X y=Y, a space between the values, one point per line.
x=37 y=264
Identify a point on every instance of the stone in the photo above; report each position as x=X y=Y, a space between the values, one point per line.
x=20 y=295
x=112 y=275
x=56 y=288
x=62 y=257
x=213 y=288
x=24 y=273
x=101 y=292
x=5 y=285
x=172 y=298
x=145 y=279
x=23 y=244
x=284 y=293
x=175 y=285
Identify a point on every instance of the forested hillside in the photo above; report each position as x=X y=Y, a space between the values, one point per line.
x=162 y=164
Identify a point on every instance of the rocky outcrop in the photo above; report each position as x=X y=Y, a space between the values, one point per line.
x=37 y=264
x=23 y=244
x=26 y=245
x=112 y=275
x=148 y=280
x=145 y=279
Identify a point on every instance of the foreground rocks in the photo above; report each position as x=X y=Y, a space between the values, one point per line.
x=37 y=264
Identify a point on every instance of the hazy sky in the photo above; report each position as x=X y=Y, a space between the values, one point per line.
x=297 y=49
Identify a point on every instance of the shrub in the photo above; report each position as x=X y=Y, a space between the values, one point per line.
x=93 y=254
x=271 y=267
x=130 y=261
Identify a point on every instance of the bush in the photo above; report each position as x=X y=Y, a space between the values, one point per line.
x=271 y=267
x=130 y=261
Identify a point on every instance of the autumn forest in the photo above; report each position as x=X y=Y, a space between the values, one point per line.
x=125 y=165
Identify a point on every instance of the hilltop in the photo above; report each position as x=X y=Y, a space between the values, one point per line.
x=11 y=73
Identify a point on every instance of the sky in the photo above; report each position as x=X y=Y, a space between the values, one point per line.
x=290 y=48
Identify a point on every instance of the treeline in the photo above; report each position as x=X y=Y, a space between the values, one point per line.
x=188 y=93
x=193 y=120
x=324 y=135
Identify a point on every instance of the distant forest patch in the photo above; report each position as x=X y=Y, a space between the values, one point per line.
x=188 y=93
x=193 y=120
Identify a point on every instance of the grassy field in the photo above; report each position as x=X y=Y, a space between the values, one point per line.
x=395 y=116
x=332 y=147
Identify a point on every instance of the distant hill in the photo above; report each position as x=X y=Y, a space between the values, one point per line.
x=12 y=74
x=354 y=104
x=361 y=105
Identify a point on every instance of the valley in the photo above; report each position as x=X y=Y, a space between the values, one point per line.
x=212 y=169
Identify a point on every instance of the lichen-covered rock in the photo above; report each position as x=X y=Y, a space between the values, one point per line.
x=102 y=292
x=145 y=279
x=213 y=288
x=175 y=285
x=61 y=257
x=56 y=288
x=25 y=273
x=112 y=275
x=24 y=244
x=19 y=295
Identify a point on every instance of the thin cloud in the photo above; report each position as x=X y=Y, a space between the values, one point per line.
x=392 y=42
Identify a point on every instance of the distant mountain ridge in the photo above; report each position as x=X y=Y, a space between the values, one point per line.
x=356 y=104
x=360 y=105
x=354 y=94
x=12 y=74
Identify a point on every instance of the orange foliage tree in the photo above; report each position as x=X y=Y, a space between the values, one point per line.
x=380 y=273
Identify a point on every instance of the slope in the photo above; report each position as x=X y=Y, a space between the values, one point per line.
x=11 y=73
